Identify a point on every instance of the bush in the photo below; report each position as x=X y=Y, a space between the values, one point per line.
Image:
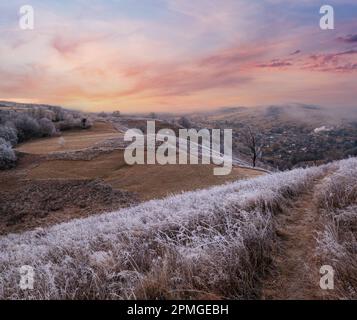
x=39 y=121
x=47 y=128
x=9 y=133
x=7 y=155
x=71 y=122
x=27 y=127
x=40 y=112
x=86 y=123
x=59 y=113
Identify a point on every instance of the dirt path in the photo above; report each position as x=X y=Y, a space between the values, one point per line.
x=295 y=273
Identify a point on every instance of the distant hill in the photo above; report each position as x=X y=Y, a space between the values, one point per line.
x=301 y=113
x=289 y=135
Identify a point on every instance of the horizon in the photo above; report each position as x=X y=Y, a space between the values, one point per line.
x=213 y=110
x=178 y=57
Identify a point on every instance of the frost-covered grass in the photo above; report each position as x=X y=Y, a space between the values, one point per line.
x=210 y=243
x=7 y=155
x=337 y=200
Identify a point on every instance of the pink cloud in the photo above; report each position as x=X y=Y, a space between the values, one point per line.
x=225 y=68
x=66 y=45
x=351 y=38
x=332 y=62
x=342 y=61
x=276 y=63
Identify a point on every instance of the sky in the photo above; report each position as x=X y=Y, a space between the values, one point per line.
x=178 y=55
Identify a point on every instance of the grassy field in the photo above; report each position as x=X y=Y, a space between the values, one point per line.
x=226 y=242
x=98 y=183
x=149 y=181
x=73 y=140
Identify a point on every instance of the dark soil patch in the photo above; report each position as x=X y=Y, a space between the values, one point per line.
x=46 y=202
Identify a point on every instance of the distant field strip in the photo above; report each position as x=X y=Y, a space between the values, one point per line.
x=72 y=140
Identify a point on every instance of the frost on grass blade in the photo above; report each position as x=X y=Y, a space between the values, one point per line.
x=209 y=243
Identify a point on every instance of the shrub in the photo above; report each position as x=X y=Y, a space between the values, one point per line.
x=41 y=112
x=38 y=121
x=7 y=155
x=47 y=128
x=59 y=113
x=68 y=123
x=86 y=123
x=27 y=127
x=9 y=133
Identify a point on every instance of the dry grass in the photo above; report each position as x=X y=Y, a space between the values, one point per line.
x=149 y=181
x=210 y=243
x=74 y=140
x=337 y=200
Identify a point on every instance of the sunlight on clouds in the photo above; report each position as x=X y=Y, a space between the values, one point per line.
x=176 y=54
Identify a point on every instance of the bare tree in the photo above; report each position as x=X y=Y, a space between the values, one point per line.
x=250 y=139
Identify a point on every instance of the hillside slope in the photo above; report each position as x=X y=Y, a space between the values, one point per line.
x=91 y=160
x=214 y=243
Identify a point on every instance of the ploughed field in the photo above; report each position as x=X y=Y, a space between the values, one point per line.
x=85 y=174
